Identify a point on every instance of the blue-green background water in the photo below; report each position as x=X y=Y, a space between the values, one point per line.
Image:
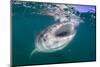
x=25 y=28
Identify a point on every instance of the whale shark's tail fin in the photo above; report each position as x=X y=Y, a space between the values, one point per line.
x=33 y=52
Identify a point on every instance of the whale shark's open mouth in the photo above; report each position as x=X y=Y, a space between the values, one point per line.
x=65 y=30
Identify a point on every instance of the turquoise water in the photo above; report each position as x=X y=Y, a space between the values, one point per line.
x=25 y=28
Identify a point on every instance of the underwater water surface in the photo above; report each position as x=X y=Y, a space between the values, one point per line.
x=26 y=26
